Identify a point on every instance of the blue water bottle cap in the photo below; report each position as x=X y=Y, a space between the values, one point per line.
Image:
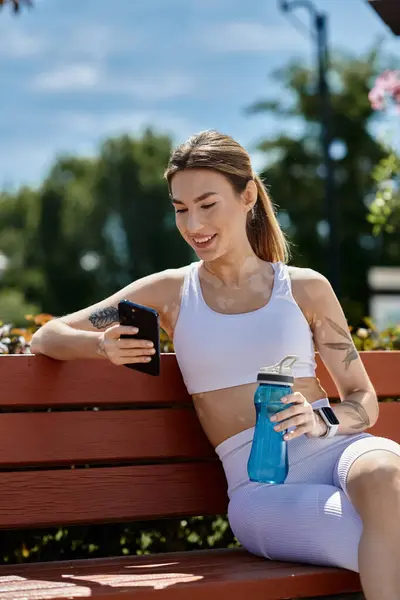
x=279 y=374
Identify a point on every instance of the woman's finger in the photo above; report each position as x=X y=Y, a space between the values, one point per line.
x=297 y=409
x=295 y=398
x=297 y=421
x=133 y=343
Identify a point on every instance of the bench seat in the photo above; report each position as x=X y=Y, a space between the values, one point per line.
x=232 y=574
x=85 y=442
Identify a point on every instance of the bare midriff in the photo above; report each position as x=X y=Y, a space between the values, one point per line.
x=226 y=412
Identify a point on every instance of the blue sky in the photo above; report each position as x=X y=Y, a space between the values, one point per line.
x=74 y=72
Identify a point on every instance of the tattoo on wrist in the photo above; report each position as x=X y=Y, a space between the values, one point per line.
x=100 y=350
x=104 y=317
x=355 y=410
x=351 y=352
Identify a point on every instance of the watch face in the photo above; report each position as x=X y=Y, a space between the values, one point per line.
x=330 y=415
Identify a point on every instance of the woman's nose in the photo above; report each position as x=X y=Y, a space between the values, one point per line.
x=193 y=223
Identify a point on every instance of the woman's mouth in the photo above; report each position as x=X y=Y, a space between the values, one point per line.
x=203 y=241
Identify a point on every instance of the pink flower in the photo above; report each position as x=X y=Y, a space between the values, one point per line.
x=387 y=85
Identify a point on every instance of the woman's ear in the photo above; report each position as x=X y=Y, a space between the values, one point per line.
x=250 y=195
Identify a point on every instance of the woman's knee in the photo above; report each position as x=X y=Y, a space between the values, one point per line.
x=375 y=478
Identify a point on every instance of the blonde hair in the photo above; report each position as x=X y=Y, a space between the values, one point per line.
x=221 y=153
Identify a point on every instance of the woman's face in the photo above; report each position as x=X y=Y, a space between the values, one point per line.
x=210 y=216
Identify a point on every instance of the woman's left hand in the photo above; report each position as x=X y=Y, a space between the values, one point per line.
x=301 y=415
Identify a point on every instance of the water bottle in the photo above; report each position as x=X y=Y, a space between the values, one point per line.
x=268 y=460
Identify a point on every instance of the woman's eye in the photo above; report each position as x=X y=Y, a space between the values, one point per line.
x=204 y=206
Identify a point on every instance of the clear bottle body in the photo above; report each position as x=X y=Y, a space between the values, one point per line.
x=268 y=460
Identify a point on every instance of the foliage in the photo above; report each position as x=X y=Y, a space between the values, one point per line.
x=15 y=340
x=369 y=338
x=64 y=543
x=92 y=227
x=294 y=171
x=384 y=211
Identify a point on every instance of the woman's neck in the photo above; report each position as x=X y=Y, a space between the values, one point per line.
x=235 y=272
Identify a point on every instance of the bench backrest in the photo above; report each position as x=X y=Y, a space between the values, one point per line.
x=88 y=442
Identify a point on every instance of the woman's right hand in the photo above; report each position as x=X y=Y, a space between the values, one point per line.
x=124 y=351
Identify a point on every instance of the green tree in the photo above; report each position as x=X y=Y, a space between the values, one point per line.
x=134 y=209
x=93 y=226
x=294 y=172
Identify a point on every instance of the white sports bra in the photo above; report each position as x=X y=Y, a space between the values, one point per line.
x=216 y=350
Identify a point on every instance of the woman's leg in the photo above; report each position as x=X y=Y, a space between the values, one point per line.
x=369 y=472
x=309 y=523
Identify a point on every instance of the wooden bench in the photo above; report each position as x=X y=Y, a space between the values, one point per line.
x=150 y=459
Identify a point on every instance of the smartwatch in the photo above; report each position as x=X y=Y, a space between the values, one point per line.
x=331 y=421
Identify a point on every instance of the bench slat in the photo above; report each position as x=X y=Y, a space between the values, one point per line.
x=388 y=424
x=89 y=437
x=41 y=381
x=383 y=368
x=100 y=495
x=227 y=573
x=101 y=436
x=67 y=496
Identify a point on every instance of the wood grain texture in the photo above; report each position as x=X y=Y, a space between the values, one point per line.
x=101 y=495
x=90 y=437
x=382 y=367
x=388 y=424
x=67 y=496
x=231 y=574
x=101 y=436
x=42 y=381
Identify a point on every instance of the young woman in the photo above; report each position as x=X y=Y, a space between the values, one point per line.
x=236 y=309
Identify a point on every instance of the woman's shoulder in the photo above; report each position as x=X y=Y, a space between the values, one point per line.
x=308 y=285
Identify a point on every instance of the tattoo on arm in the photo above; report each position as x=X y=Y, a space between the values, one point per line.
x=104 y=317
x=351 y=352
x=355 y=410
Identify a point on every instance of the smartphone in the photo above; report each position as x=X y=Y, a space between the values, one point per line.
x=147 y=320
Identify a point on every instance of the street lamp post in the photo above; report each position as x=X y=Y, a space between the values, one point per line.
x=331 y=205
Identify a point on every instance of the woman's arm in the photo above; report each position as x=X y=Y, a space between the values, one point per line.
x=80 y=334
x=359 y=408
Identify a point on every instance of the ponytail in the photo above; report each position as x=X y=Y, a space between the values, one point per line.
x=263 y=230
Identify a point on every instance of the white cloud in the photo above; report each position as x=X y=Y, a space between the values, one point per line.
x=249 y=36
x=73 y=77
x=77 y=77
x=17 y=43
